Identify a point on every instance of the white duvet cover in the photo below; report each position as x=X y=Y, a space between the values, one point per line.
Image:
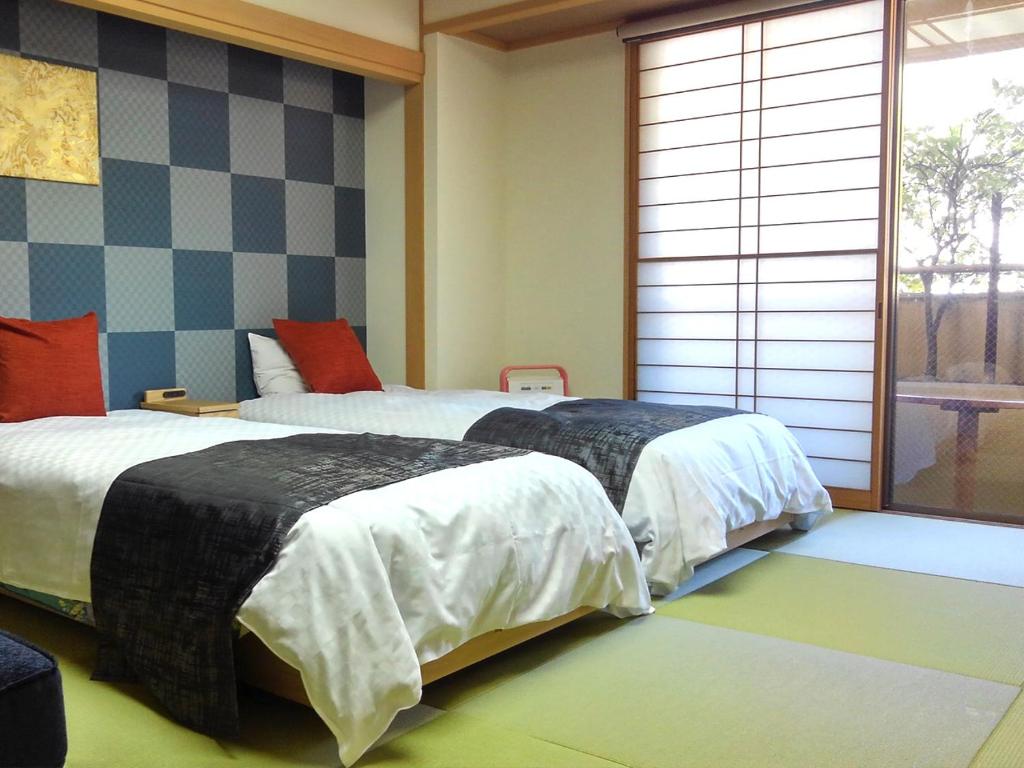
x=366 y=588
x=689 y=488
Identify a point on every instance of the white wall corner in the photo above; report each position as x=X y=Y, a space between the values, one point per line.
x=464 y=131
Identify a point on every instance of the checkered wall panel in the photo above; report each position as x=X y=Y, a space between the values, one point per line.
x=231 y=193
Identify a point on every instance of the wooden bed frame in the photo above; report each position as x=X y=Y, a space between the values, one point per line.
x=261 y=668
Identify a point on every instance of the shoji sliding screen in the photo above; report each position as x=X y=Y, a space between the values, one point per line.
x=758 y=159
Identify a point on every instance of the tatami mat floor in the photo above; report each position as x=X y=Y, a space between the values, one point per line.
x=870 y=641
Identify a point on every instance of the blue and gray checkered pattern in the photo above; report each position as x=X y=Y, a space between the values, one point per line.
x=231 y=193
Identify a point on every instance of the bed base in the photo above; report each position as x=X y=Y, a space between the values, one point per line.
x=748 y=533
x=261 y=668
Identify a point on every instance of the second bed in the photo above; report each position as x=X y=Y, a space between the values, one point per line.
x=689 y=490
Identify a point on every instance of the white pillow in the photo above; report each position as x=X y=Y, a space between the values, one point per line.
x=272 y=368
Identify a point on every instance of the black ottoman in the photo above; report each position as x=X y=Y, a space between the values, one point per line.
x=32 y=730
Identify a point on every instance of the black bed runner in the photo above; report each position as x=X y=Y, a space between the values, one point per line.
x=605 y=437
x=182 y=541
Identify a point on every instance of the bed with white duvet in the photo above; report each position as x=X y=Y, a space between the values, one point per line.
x=366 y=588
x=689 y=489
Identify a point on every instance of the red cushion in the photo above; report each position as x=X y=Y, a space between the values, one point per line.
x=328 y=355
x=50 y=368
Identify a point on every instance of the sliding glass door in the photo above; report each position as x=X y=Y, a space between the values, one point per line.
x=957 y=432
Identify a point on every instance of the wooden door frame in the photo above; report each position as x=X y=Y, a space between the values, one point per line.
x=892 y=60
x=415 y=229
x=415 y=254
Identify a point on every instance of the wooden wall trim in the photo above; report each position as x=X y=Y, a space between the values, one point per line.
x=502 y=14
x=415 y=270
x=254 y=26
x=848 y=498
x=632 y=183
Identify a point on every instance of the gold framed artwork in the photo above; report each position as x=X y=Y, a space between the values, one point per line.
x=49 y=128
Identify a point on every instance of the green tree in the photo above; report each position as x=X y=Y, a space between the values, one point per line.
x=941 y=199
x=949 y=181
x=1001 y=179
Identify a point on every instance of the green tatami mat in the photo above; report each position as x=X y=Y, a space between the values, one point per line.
x=940 y=547
x=548 y=648
x=1005 y=747
x=121 y=727
x=455 y=740
x=713 y=570
x=967 y=627
x=115 y=726
x=664 y=693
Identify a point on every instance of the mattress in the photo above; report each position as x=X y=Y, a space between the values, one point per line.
x=366 y=588
x=689 y=489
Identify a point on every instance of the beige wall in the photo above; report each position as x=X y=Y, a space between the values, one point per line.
x=463 y=129
x=524 y=199
x=385 y=228
x=563 y=226
x=393 y=21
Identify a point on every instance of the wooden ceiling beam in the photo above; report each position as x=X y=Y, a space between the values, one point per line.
x=481 y=39
x=565 y=34
x=253 y=26
x=502 y=14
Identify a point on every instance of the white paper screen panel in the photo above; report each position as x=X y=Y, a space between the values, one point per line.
x=819 y=206
x=819 y=177
x=717 y=213
x=758 y=235
x=818 y=414
x=690 y=104
x=707 y=45
x=803 y=148
x=848 y=445
x=817 y=355
x=817 y=25
x=722 y=401
x=727 y=70
x=842 y=474
x=689 y=133
x=822 y=116
x=702 y=159
x=696 y=298
x=840 y=52
x=681 y=189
